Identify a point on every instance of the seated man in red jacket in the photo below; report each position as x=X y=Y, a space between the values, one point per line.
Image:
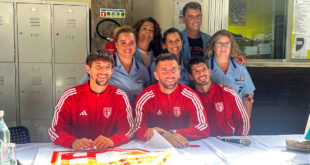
x=88 y=115
x=173 y=109
x=224 y=109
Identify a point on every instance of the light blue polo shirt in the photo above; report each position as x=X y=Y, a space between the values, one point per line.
x=134 y=82
x=236 y=77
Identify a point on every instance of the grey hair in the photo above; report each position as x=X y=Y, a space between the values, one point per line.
x=191 y=5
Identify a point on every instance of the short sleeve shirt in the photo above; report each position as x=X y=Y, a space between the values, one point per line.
x=236 y=77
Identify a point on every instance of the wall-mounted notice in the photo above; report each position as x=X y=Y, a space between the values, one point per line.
x=301 y=30
x=112 y=13
x=178 y=15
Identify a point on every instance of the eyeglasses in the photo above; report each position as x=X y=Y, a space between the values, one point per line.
x=225 y=44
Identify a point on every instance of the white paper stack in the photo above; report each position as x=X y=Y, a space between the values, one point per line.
x=264 y=48
x=250 y=50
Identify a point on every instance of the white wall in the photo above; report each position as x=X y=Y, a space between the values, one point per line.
x=163 y=11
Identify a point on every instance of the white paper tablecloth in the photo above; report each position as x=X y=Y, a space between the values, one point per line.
x=263 y=150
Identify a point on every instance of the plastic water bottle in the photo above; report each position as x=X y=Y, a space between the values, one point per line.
x=4 y=131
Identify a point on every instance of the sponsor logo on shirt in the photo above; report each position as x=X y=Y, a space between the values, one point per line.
x=219 y=106
x=159 y=113
x=83 y=113
x=176 y=111
x=107 y=112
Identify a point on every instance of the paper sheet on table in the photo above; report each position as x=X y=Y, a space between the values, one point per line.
x=159 y=142
x=45 y=154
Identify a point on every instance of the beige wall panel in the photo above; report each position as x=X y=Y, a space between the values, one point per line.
x=163 y=11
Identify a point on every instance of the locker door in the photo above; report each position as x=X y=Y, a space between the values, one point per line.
x=6 y=32
x=35 y=91
x=34 y=32
x=70 y=23
x=67 y=76
x=7 y=92
x=38 y=130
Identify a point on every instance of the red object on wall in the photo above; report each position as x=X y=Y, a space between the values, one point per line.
x=110 y=47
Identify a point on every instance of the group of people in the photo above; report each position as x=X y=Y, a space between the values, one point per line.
x=184 y=85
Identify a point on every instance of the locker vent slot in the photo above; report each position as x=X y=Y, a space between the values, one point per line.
x=71 y=23
x=71 y=81
x=0 y=20
x=1 y=80
x=34 y=21
x=36 y=80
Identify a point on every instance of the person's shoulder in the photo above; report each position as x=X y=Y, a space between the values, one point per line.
x=147 y=93
x=74 y=90
x=151 y=88
x=112 y=88
x=203 y=34
x=186 y=89
x=137 y=54
x=184 y=32
x=141 y=66
x=80 y=87
x=228 y=91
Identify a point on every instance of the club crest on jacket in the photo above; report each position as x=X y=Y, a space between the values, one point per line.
x=107 y=111
x=176 y=111
x=219 y=106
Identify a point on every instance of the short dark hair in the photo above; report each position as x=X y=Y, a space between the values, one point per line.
x=171 y=30
x=191 y=5
x=164 y=57
x=99 y=55
x=195 y=60
x=125 y=29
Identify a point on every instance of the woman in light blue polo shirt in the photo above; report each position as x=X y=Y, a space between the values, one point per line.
x=128 y=74
x=221 y=51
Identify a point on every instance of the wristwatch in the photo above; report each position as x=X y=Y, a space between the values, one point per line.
x=173 y=131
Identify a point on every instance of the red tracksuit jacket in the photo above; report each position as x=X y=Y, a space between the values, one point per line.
x=181 y=110
x=81 y=113
x=225 y=112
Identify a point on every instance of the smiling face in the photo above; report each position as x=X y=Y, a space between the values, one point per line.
x=146 y=32
x=193 y=19
x=222 y=47
x=173 y=43
x=167 y=73
x=200 y=74
x=99 y=73
x=126 y=45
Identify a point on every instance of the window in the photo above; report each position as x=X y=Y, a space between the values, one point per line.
x=259 y=27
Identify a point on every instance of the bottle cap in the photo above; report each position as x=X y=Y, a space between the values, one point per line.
x=1 y=113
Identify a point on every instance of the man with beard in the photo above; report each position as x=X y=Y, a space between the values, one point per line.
x=93 y=115
x=224 y=109
x=172 y=109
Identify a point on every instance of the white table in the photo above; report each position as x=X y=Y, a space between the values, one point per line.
x=263 y=150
